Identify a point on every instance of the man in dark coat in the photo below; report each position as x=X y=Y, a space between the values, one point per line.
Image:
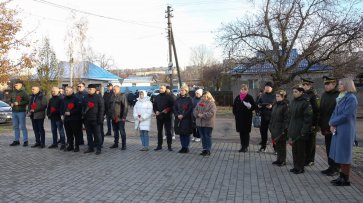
x=118 y=109
x=327 y=106
x=106 y=98
x=301 y=117
x=81 y=95
x=36 y=111
x=163 y=106
x=311 y=95
x=243 y=107
x=18 y=102
x=54 y=113
x=72 y=117
x=93 y=113
x=265 y=107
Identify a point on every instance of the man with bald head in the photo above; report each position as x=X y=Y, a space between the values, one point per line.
x=54 y=113
x=72 y=118
x=36 y=111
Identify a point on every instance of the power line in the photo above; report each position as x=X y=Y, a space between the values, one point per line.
x=94 y=14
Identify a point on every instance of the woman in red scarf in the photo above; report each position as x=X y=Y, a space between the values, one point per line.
x=243 y=106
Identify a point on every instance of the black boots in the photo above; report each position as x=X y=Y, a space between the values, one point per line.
x=342 y=180
x=15 y=143
x=205 y=153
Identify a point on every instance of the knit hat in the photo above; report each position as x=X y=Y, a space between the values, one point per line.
x=199 y=91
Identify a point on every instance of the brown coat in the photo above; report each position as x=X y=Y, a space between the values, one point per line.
x=209 y=110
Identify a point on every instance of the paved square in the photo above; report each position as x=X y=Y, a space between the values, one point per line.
x=50 y=175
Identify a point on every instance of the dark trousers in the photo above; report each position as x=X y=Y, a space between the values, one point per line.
x=245 y=139
x=298 y=154
x=310 y=148
x=264 y=131
x=102 y=134
x=332 y=165
x=38 y=127
x=196 y=133
x=93 y=134
x=281 y=148
x=57 y=125
x=161 y=121
x=185 y=141
x=109 y=124
x=119 y=128
x=73 y=128
x=81 y=140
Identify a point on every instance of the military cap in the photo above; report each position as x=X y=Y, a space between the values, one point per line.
x=306 y=81
x=109 y=85
x=92 y=86
x=328 y=80
x=298 y=87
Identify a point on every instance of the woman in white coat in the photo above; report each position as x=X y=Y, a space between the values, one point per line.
x=142 y=114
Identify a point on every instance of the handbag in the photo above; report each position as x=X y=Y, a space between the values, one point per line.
x=256 y=121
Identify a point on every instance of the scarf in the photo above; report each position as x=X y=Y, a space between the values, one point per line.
x=341 y=96
x=242 y=96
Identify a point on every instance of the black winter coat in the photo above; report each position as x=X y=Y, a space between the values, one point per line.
x=55 y=108
x=183 y=106
x=243 y=115
x=106 y=99
x=301 y=118
x=280 y=118
x=314 y=101
x=264 y=100
x=73 y=105
x=327 y=106
x=163 y=102
x=93 y=108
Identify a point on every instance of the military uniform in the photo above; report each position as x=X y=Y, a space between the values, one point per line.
x=278 y=127
x=311 y=95
x=301 y=117
x=327 y=106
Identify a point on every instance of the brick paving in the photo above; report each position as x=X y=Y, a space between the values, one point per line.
x=49 y=175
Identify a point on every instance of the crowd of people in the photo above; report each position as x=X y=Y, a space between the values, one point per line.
x=297 y=122
x=70 y=113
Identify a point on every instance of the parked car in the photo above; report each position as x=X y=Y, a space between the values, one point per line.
x=175 y=92
x=5 y=112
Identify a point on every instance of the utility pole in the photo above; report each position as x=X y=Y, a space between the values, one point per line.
x=172 y=48
x=176 y=57
x=170 y=65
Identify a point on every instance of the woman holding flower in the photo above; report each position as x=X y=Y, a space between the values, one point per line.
x=183 y=125
x=205 y=114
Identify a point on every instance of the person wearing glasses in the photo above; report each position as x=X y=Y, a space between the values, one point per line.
x=343 y=126
x=18 y=101
x=311 y=95
x=81 y=95
x=301 y=118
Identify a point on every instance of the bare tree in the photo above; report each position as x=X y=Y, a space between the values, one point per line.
x=77 y=48
x=319 y=29
x=47 y=66
x=213 y=76
x=101 y=60
x=201 y=56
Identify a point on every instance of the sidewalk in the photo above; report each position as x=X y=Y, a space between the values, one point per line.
x=45 y=175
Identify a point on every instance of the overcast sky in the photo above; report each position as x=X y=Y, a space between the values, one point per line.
x=137 y=39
